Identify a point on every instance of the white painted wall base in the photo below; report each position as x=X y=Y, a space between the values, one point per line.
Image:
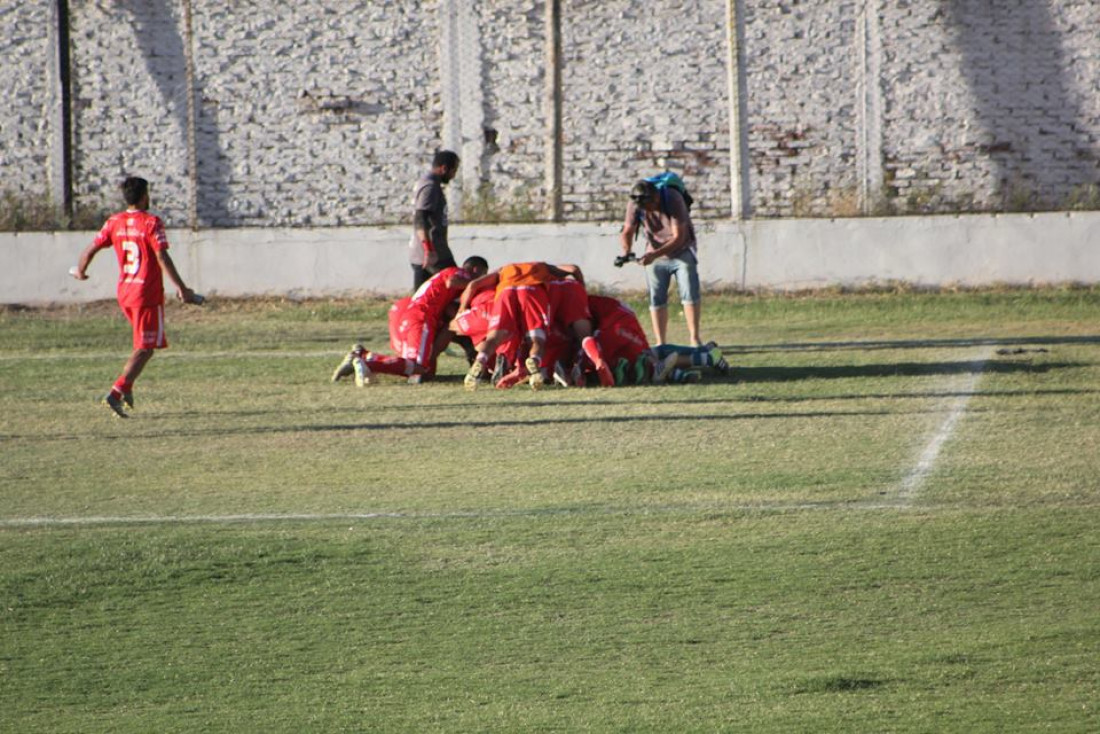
x=783 y=254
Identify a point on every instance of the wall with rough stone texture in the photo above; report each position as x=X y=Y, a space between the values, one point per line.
x=29 y=117
x=645 y=86
x=323 y=113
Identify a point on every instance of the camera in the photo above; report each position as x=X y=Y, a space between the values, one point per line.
x=624 y=259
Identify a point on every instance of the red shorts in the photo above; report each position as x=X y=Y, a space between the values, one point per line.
x=473 y=323
x=414 y=338
x=568 y=302
x=522 y=310
x=148 y=323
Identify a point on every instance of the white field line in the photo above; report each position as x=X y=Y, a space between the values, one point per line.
x=909 y=488
x=245 y=518
x=169 y=354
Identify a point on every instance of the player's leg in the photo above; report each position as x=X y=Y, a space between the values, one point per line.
x=529 y=308
x=502 y=325
x=148 y=336
x=657 y=277
x=485 y=351
x=533 y=363
x=687 y=283
x=121 y=393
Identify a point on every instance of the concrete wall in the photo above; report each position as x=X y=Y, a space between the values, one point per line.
x=323 y=112
x=782 y=254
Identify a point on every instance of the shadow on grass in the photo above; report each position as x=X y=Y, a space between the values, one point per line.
x=872 y=345
x=841 y=684
x=495 y=421
x=892 y=369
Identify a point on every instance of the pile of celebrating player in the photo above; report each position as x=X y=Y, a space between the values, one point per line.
x=531 y=322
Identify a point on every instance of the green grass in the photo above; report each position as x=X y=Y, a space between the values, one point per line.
x=260 y=550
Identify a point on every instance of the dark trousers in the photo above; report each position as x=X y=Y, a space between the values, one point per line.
x=421 y=273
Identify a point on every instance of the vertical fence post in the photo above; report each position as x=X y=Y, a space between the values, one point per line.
x=554 y=111
x=192 y=120
x=61 y=171
x=868 y=107
x=741 y=207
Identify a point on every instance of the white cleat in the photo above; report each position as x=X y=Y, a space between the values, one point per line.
x=363 y=375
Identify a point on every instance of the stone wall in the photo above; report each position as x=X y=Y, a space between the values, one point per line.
x=30 y=118
x=323 y=113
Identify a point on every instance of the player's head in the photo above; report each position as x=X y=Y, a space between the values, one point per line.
x=134 y=190
x=476 y=266
x=445 y=162
x=644 y=194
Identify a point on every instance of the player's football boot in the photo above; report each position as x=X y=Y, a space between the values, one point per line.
x=620 y=369
x=473 y=377
x=500 y=369
x=537 y=379
x=685 y=377
x=664 y=368
x=721 y=366
x=115 y=404
x=363 y=375
x=128 y=400
x=347 y=367
x=559 y=375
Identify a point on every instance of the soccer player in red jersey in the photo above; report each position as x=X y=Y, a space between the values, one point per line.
x=418 y=328
x=625 y=346
x=570 y=308
x=142 y=249
x=521 y=310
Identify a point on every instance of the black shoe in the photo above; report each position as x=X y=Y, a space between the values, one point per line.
x=115 y=404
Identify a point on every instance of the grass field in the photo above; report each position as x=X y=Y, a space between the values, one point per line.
x=887 y=522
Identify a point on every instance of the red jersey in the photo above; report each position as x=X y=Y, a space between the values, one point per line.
x=474 y=321
x=606 y=310
x=136 y=236
x=432 y=297
x=618 y=331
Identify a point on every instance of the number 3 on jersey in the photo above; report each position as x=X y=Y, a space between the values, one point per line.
x=131 y=262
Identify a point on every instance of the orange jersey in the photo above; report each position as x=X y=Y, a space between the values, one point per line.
x=524 y=274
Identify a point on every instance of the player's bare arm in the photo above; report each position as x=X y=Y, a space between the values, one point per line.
x=422 y=228
x=458 y=279
x=81 y=271
x=184 y=293
x=475 y=286
x=567 y=271
x=626 y=237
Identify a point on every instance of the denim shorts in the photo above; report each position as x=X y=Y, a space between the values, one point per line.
x=659 y=273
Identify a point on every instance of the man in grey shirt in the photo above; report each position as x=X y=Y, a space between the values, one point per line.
x=429 y=251
x=670 y=253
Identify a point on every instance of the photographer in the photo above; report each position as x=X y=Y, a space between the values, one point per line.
x=662 y=214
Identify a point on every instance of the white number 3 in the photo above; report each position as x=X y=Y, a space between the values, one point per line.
x=131 y=263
